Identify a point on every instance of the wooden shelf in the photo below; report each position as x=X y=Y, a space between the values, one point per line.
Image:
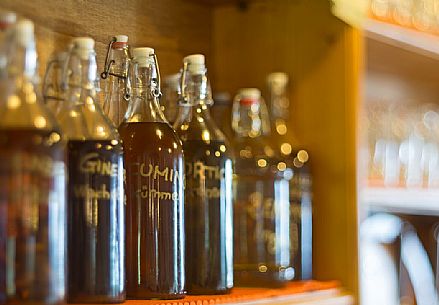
x=408 y=39
x=402 y=64
x=309 y=293
x=404 y=201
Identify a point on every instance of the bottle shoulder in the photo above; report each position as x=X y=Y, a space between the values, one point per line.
x=22 y=107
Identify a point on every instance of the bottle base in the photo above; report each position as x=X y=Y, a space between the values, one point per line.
x=207 y=291
x=255 y=278
x=155 y=296
x=95 y=299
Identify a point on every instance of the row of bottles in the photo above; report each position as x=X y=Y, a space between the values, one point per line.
x=132 y=205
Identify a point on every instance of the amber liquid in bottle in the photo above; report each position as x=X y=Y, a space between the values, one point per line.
x=209 y=260
x=95 y=221
x=32 y=217
x=154 y=214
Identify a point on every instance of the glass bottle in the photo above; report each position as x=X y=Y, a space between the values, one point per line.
x=53 y=91
x=117 y=88
x=222 y=113
x=7 y=20
x=95 y=206
x=297 y=159
x=261 y=214
x=32 y=183
x=154 y=178
x=208 y=200
x=171 y=97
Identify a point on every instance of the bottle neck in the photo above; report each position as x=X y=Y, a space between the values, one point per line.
x=119 y=58
x=279 y=101
x=23 y=62
x=247 y=119
x=195 y=89
x=144 y=105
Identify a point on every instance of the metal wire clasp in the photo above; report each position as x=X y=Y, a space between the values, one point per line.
x=156 y=91
x=108 y=64
x=182 y=83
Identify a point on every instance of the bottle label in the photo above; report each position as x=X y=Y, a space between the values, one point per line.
x=157 y=175
x=95 y=171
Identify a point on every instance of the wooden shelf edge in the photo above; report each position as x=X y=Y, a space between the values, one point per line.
x=399 y=200
x=333 y=296
x=419 y=43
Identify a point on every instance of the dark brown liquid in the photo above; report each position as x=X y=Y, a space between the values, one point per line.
x=32 y=217
x=208 y=217
x=261 y=223
x=155 y=226
x=96 y=230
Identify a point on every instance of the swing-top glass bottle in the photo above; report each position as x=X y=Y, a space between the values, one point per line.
x=154 y=178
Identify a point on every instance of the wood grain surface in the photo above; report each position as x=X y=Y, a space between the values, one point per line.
x=174 y=28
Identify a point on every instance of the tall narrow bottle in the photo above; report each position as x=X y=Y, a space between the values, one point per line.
x=208 y=200
x=261 y=214
x=288 y=147
x=96 y=230
x=117 y=88
x=170 y=98
x=154 y=177
x=32 y=184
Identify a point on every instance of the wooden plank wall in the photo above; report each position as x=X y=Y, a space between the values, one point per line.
x=322 y=56
x=174 y=28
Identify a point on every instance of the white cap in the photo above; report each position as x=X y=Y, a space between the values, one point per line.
x=83 y=46
x=7 y=17
x=121 y=38
x=196 y=63
x=142 y=55
x=253 y=93
x=24 y=31
x=280 y=78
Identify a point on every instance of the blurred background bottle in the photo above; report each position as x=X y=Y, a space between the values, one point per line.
x=95 y=190
x=209 y=174
x=171 y=95
x=53 y=87
x=155 y=198
x=262 y=208
x=117 y=87
x=32 y=182
x=296 y=158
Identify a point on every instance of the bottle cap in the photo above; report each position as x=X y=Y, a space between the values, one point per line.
x=84 y=46
x=253 y=93
x=280 y=78
x=6 y=19
x=24 y=30
x=121 y=42
x=142 y=56
x=196 y=63
x=249 y=96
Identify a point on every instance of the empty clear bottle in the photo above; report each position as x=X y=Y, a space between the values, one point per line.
x=208 y=200
x=32 y=183
x=261 y=200
x=171 y=96
x=154 y=177
x=53 y=89
x=117 y=88
x=296 y=158
x=96 y=232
